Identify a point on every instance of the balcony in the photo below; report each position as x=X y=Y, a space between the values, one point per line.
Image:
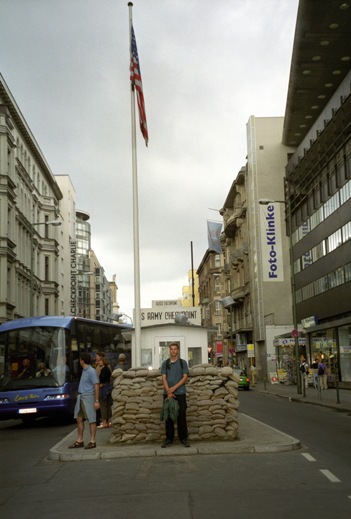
x=237 y=257
x=239 y=293
x=235 y=221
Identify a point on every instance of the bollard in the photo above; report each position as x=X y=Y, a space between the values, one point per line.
x=337 y=388
x=319 y=389
x=265 y=382
x=304 y=385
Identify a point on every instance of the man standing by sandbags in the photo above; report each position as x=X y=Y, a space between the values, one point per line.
x=174 y=373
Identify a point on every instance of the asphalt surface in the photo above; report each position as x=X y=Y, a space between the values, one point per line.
x=254 y=436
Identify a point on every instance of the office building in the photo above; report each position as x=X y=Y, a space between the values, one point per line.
x=318 y=181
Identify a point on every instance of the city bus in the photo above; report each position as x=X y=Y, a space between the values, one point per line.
x=39 y=362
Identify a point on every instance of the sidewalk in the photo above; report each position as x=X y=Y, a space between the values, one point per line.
x=326 y=398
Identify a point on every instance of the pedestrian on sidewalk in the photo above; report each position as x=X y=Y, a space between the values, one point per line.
x=304 y=370
x=87 y=403
x=322 y=375
x=314 y=367
x=174 y=373
x=105 y=398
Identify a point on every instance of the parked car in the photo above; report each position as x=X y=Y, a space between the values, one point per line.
x=244 y=378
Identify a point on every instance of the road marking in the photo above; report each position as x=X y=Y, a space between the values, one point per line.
x=308 y=456
x=330 y=476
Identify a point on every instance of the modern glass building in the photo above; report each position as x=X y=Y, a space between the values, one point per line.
x=318 y=181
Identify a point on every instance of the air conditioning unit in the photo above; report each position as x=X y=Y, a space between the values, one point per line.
x=219 y=336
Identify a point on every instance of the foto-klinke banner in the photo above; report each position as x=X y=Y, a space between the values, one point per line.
x=271 y=242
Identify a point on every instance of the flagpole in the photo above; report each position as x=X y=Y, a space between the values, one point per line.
x=192 y=273
x=137 y=326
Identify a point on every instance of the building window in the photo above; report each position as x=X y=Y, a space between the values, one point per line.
x=316 y=218
x=340 y=173
x=348 y=167
x=194 y=356
x=297 y=266
x=345 y=192
x=331 y=205
x=218 y=308
x=346 y=232
x=332 y=181
x=320 y=285
x=318 y=251
x=307 y=291
x=347 y=270
x=344 y=333
x=334 y=240
x=304 y=212
x=47 y=306
x=336 y=278
x=47 y=273
x=146 y=357
x=46 y=227
x=217 y=284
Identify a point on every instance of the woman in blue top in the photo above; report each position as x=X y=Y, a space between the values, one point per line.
x=87 y=403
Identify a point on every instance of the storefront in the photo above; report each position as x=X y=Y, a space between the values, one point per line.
x=333 y=346
x=241 y=359
x=286 y=358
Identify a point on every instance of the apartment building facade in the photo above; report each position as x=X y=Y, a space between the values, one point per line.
x=213 y=313
x=256 y=271
x=236 y=274
x=47 y=266
x=29 y=206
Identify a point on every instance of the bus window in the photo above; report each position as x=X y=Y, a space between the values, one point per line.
x=39 y=361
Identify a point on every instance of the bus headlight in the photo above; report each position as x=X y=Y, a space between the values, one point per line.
x=4 y=401
x=57 y=397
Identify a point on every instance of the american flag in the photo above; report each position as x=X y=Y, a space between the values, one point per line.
x=135 y=78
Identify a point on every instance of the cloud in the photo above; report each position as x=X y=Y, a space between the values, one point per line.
x=206 y=66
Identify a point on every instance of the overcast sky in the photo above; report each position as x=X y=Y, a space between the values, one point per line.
x=206 y=67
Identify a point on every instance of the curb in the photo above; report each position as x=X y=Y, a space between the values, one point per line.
x=302 y=400
x=254 y=437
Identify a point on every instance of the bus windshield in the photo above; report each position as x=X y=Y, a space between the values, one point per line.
x=34 y=357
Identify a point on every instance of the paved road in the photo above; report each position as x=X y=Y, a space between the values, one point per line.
x=324 y=432
x=192 y=487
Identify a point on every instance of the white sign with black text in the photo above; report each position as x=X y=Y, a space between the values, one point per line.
x=271 y=242
x=150 y=316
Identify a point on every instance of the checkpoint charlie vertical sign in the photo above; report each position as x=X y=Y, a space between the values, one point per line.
x=271 y=242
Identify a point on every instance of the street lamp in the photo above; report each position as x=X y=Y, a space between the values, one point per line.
x=264 y=201
x=116 y=317
x=31 y=295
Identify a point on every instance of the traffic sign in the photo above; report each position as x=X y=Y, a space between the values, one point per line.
x=295 y=333
x=250 y=350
